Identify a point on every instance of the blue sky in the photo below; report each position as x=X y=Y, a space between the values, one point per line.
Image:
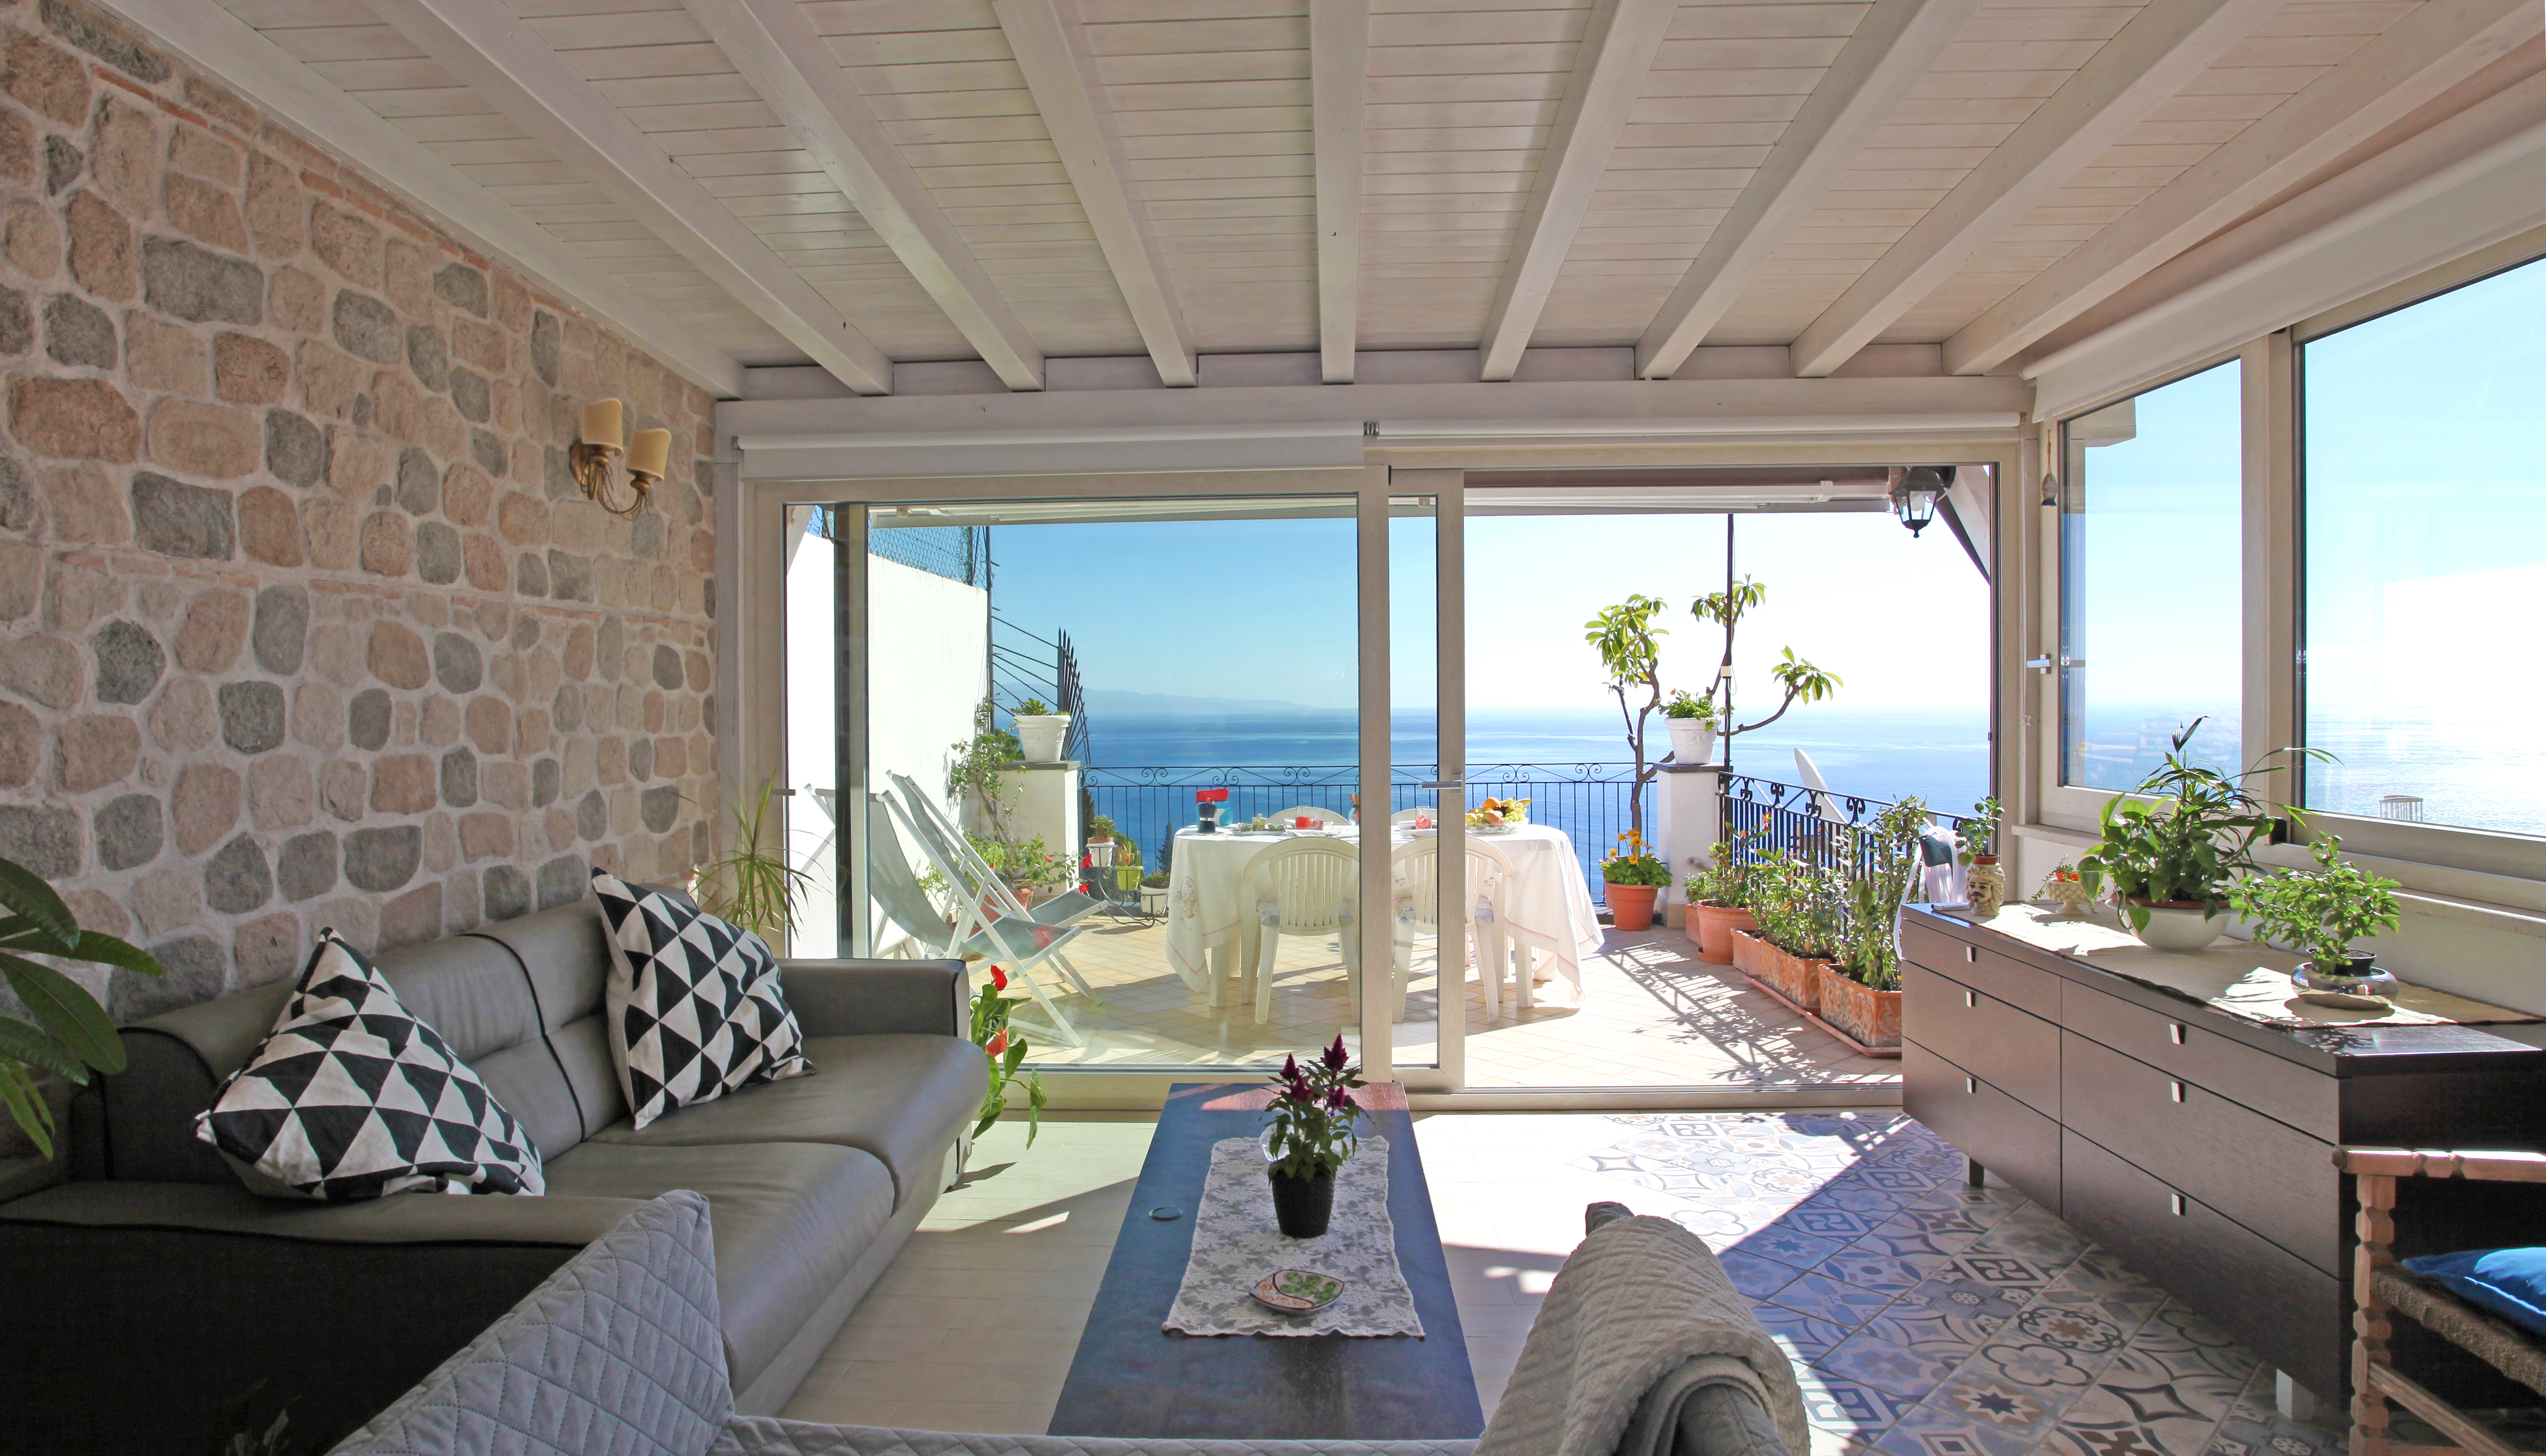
x=1265 y=609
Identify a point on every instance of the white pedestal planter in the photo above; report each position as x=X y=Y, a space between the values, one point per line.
x=1040 y=735
x=1692 y=740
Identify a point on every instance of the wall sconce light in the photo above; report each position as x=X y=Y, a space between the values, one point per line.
x=1914 y=493
x=590 y=457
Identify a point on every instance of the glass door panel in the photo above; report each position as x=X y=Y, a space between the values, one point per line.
x=1427 y=956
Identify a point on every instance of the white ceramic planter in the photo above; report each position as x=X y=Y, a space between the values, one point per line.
x=2181 y=930
x=1040 y=735
x=1692 y=740
x=1153 y=899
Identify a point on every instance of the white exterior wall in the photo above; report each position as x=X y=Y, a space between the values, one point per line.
x=928 y=665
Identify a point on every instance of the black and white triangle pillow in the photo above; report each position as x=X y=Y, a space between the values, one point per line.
x=695 y=1009
x=351 y=1096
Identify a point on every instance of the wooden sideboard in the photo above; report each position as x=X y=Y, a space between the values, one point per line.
x=2196 y=1145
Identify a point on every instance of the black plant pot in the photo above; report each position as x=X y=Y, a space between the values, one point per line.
x=1302 y=1206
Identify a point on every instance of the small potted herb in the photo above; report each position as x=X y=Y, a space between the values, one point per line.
x=1153 y=893
x=1691 y=721
x=2318 y=913
x=1040 y=731
x=2172 y=862
x=1634 y=878
x=1719 y=897
x=1980 y=860
x=1309 y=1136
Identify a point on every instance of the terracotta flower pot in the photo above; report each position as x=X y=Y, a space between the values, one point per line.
x=1800 y=977
x=1871 y=1016
x=1712 y=926
x=1631 y=906
x=1751 y=951
x=1789 y=975
x=1302 y=1206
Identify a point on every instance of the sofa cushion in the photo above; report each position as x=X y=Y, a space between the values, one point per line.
x=790 y=1218
x=353 y=1097
x=694 y=1006
x=905 y=1098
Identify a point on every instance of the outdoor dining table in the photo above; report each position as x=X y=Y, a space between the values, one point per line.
x=1206 y=925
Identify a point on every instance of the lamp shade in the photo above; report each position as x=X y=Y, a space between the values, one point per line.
x=649 y=452
x=601 y=425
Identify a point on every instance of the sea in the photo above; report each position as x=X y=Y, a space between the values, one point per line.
x=1572 y=763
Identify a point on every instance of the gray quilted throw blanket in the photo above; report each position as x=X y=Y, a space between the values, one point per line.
x=1235 y=1244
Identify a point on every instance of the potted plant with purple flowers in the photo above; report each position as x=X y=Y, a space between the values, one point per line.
x=1309 y=1136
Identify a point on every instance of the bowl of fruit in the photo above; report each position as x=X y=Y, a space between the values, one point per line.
x=1498 y=815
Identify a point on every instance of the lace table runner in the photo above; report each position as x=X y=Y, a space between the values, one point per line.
x=1235 y=1244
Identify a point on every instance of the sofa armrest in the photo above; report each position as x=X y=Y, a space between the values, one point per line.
x=864 y=998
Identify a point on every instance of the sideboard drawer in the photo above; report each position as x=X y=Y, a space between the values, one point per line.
x=2185 y=1047
x=1991 y=1127
x=2027 y=988
x=2015 y=1052
x=2270 y=1178
x=2285 y=1311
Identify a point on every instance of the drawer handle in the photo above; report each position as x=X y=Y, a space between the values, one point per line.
x=1972 y=1085
x=2176 y=1200
x=1971 y=954
x=2174 y=1090
x=1971 y=998
x=2175 y=1033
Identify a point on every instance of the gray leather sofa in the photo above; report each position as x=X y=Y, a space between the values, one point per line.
x=150 y=1289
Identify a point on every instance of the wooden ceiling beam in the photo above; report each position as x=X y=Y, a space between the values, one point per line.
x=1895 y=45
x=234 y=53
x=1339 y=98
x=774 y=46
x=488 y=49
x=1050 y=42
x=2155 y=56
x=2398 y=71
x=1619 y=41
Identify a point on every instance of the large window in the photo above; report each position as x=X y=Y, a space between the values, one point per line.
x=2425 y=479
x=2150 y=614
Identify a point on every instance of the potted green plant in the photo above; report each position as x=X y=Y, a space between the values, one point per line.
x=1308 y=1135
x=1153 y=893
x=2318 y=913
x=71 y=1035
x=2173 y=862
x=976 y=775
x=1634 y=878
x=1980 y=860
x=1869 y=878
x=1040 y=731
x=1799 y=929
x=1691 y=721
x=751 y=884
x=1719 y=897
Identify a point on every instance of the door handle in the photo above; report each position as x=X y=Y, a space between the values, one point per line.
x=1971 y=998
x=1972 y=1085
x=2175 y=1033
x=2176 y=1200
x=2174 y=1090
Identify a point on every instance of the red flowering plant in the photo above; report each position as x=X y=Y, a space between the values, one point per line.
x=1312 y=1114
x=1006 y=1050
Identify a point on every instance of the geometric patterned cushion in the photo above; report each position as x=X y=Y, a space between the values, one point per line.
x=351 y=1096
x=695 y=1009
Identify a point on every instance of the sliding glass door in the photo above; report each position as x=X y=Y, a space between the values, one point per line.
x=1175 y=765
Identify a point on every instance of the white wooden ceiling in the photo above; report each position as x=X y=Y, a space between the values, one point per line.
x=1529 y=173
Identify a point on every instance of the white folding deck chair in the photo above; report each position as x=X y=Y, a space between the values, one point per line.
x=1299 y=887
x=1020 y=945
x=1416 y=871
x=1059 y=910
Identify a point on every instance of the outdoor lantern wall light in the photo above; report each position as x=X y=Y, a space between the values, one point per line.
x=1914 y=493
x=590 y=459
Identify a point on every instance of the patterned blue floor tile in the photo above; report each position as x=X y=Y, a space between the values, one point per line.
x=1948 y=1293
x=1824 y=1298
x=1757 y=1278
x=1848 y=1407
x=1878 y=1271
x=1906 y=1350
x=1804 y=1338
x=1792 y=1247
x=1933 y=1431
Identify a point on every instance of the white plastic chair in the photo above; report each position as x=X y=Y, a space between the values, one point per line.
x=1416 y=874
x=1296 y=812
x=1299 y=887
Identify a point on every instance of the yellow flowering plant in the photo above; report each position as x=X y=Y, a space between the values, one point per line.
x=1633 y=863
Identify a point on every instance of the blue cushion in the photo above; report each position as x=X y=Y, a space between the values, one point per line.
x=2509 y=1282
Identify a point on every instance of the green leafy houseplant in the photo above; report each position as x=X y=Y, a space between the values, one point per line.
x=1725 y=879
x=1033 y=707
x=1803 y=682
x=1155 y=880
x=2187 y=848
x=2320 y=912
x=1981 y=839
x=1793 y=902
x=1006 y=1049
x=980 y=760
x=1875 y=868
x=751 y=884
x=1683 y=707
x=1630 y=649
x=71 y=1034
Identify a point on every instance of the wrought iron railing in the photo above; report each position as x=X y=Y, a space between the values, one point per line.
x=1587 y=801
x=1768 y=817
x=958 y=553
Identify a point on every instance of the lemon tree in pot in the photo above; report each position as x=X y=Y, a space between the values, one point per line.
x=1308 y=1135
x=2175 y=846
x=2318 y=913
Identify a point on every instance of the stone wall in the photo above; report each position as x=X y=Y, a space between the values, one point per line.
x=303 y=623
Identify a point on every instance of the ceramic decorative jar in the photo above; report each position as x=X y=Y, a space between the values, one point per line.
x=1988 y=886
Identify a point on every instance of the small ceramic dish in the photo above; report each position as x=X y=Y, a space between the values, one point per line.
x=1296 y=1291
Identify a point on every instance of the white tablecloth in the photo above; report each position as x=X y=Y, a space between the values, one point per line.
x=1547 y=897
